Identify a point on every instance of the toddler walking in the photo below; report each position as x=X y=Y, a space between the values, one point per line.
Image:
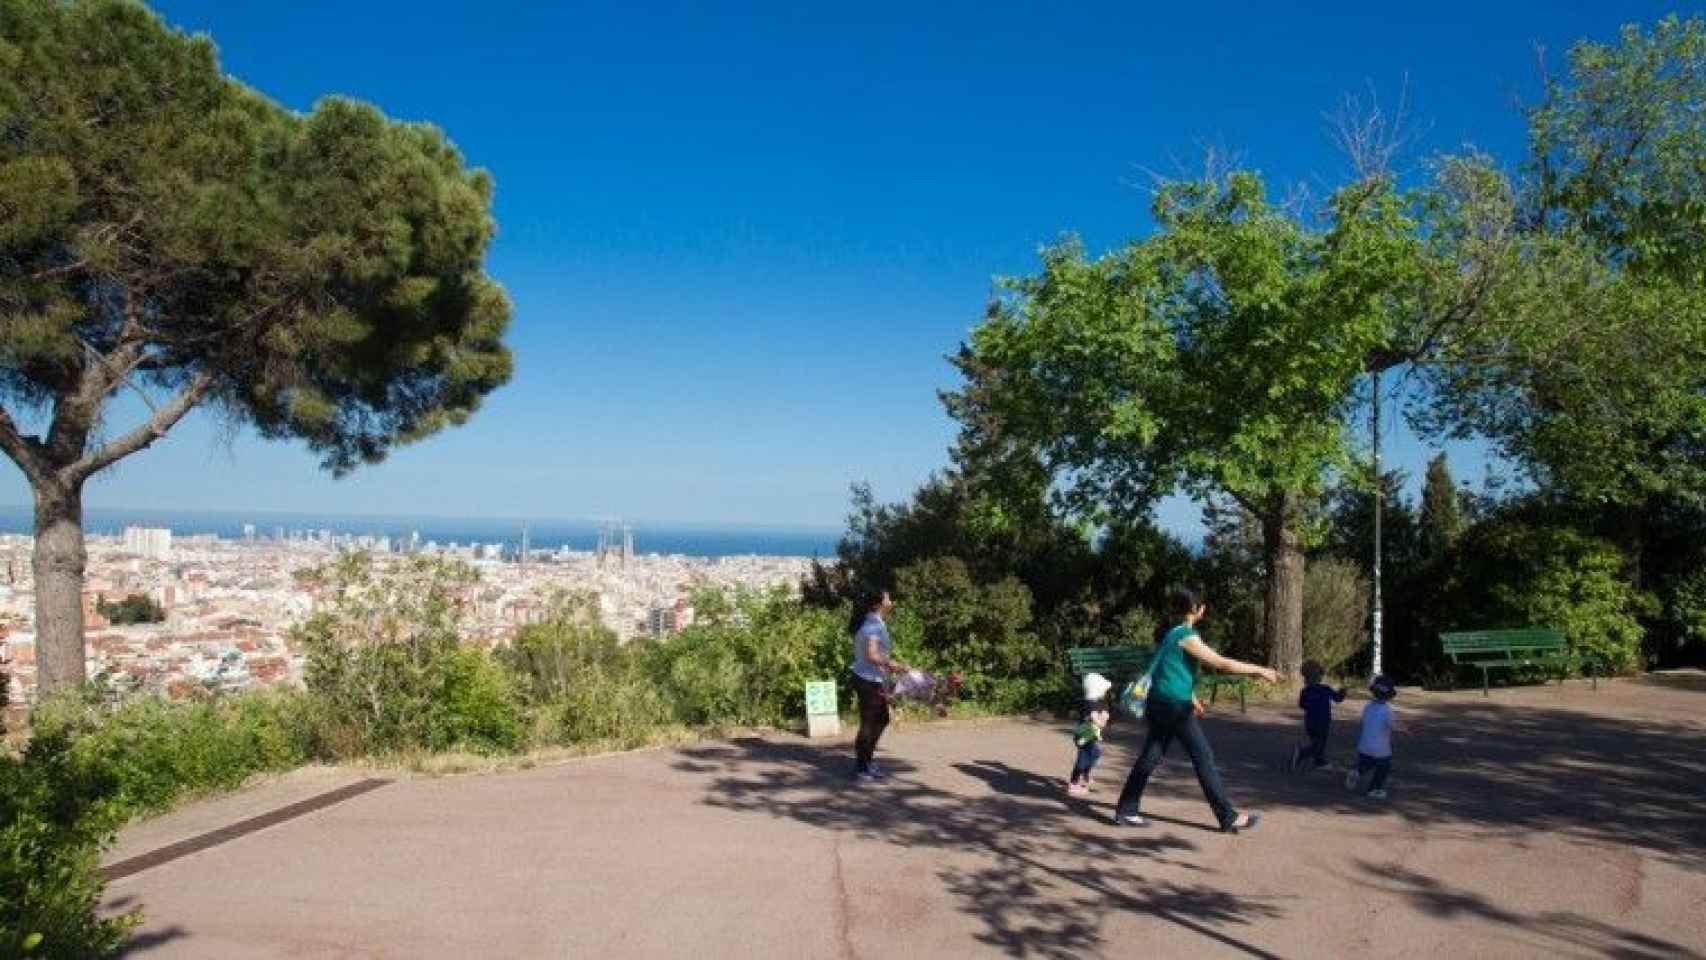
x=1316 y=701
x=1374 y=746
x=1087 y=736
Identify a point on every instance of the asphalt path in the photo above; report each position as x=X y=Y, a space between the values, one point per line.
x=1540 y=822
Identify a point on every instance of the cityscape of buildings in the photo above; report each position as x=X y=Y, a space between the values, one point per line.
x=230 y=604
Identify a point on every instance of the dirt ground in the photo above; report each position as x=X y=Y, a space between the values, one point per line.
x=1542 y=821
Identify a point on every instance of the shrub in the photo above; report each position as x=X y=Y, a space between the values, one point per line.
x=1137 y=627
x=750 y=665
x=135 y=608
x=385 y=659
x=157 y=751
x=1685 y=606
x=982 y=630
x=1335 y=612
x=1506 y=573
x=56 y=815
x=585 y=684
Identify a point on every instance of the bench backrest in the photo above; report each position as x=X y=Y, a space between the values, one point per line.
x=1470 y=644
x=1115 y=663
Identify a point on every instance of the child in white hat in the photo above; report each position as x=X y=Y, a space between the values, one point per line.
x=1088 y=734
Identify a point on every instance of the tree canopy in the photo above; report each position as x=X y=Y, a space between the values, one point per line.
x=1588 y=372
x=166 y=230
x=1217 y=356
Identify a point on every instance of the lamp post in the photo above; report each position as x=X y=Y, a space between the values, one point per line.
x=1379 y=508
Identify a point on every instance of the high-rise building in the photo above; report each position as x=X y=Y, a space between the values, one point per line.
x=249 y=532
x=525 y=549
x=155 y=543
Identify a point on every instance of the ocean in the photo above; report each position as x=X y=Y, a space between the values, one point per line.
x=693 y=541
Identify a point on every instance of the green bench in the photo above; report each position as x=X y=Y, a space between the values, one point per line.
x=1122 y=665
x=1214 y=681
x=1523 y=647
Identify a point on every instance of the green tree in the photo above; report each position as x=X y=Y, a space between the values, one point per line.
x=1442 y=515
x=1335 y=612
x=167 y=230
x=1218 y=356
x=1512 y=572
x=135 y=608
x=1349 y=522
x=1587 y=369
x=982 y=630
x=952 y=514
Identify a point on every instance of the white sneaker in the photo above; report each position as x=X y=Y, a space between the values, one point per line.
x=1377 y=794
x=1352 y=778
x=1130 y=820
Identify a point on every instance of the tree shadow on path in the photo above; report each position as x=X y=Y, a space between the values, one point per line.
x=1437 y=899
x=1465 y=768
x=1054 y=877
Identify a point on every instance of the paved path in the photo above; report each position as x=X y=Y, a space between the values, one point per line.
x=1541 y=822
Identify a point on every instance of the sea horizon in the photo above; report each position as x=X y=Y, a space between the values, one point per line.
x=686 y=538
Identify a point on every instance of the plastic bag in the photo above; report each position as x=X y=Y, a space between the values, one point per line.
x=937 y=690
x=1135 y=694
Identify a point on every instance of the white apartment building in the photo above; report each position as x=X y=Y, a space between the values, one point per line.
x=155 y=543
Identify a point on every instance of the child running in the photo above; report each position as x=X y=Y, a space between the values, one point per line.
x=1316 y=701
x=1088 y=734
x=1374 y=746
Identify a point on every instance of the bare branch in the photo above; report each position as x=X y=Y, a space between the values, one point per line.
x=145 y=434
x=1371 y=138
x=1218 y=162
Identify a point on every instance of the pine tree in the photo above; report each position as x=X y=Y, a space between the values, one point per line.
x=1442 y=510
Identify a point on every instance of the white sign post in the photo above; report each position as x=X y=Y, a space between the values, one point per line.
x=822 y=717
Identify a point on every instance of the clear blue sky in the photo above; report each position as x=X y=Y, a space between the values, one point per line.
x=740 y=244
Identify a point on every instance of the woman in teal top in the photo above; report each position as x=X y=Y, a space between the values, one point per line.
x=1173 y=711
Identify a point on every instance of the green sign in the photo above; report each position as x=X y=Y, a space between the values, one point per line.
x=820 y=698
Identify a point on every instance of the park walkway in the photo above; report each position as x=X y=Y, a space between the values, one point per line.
x=1542 y=822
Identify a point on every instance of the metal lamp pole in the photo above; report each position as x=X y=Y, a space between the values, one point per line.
x=1379 y=497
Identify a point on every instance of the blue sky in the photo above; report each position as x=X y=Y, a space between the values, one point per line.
x=741 y=240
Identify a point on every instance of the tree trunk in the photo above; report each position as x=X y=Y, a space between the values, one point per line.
x=59 y=563
x=1282 y=607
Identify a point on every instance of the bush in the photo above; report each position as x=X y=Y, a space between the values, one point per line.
x=135 y=608
x=1335 y=612
x=584 y=685
x=386 y=660
x=750 y=666
x=982 y=630
x=56 y=815
x=1685 y=608
x=1506 y=573
x=157 y=752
